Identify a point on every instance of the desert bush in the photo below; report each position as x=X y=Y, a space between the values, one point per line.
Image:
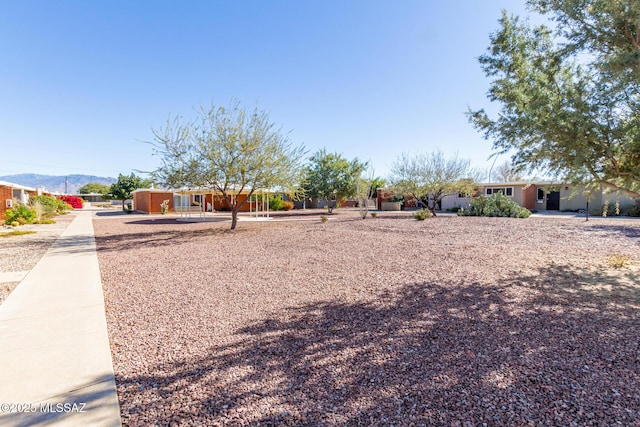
x=496 y=205
x=395 y=199
x=634 y=210
x=618 y=261
x=422 y=214
x=74 y=201
x=49 y=204
x=164 y=207
x=21 y=214
x=14 y=223
x=374 y=214
x=17 y=233
x=44 y=221
x=323 y=219
x=276 y=203
x=287 y=206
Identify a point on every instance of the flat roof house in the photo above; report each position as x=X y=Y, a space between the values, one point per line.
x=543 y=195
x=12 y=193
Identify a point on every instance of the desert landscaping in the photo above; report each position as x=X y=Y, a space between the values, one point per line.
x=387 y=321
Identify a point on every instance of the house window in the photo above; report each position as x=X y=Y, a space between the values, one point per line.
x=463 y=195
x=507 y=191
x=540 y=195
x=197 y=198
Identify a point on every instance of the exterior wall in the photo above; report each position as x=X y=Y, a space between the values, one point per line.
x=383 y=196
x=577 y=201
x=6 y=193
x=149 y=201
x=529 y=197
x=453 y=201
x=518 y=191
x=624 y=200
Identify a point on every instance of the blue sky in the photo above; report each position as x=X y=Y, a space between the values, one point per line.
x=84 y=82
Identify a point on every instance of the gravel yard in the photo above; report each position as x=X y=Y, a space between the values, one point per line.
x=389 y=321
x=22 y=253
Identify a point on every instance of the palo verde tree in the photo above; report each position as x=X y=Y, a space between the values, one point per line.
x=569 y=97
x=123 y=188
x=428 y=177
x=331 y=177
x=228 y=150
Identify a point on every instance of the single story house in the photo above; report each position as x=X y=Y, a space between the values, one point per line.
x=148 y=200
x=11 y=193
x=543 y=195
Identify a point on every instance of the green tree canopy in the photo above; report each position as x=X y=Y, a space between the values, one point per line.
x=569 y=98
x=330 y=176
x=228 y=150
x=428 y=177
x=94 y=187
x=123 y=188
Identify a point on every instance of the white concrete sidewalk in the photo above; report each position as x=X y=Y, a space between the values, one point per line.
x=55 y=360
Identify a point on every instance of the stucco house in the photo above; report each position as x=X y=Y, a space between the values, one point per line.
x=543 y=195
x=11 y=193
x=148 y=200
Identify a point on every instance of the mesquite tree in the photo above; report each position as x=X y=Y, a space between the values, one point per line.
x=569 y=97
x=231 y=151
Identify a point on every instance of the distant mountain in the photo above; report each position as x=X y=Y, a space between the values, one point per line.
x=56 y=184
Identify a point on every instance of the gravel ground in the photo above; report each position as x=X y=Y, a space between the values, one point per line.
x=389 y=321
x=22 y=253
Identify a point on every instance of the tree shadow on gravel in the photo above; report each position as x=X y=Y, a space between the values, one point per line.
x=154 y=238
x=560 y=347
x=629 y=231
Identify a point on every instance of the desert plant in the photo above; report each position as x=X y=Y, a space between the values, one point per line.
x=287 y=205
x=634 y=210
x=323 y=219
x=49 y=204
x=164 y=207
x=44 y=221
x=14 y=224
x=374 y=214
x=618 y=261
x=276 y=203
x=395 y=199
x=17 y=233
x=74 y=201
x=20 y=213
x=496 y=205
x=422 y=214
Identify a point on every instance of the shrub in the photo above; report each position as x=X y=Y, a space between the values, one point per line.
x=74 y=201
x=287 y=206
x=634 y=210
x=496 y=205
x=21 y=214
x=14 y=223
x=276 y=203
x=44 y=221
x=17 y=233
x=323 y=219
x=618 y=261
x=422 y=214
x=49 y=204
x=164 y=207
x=374 y=214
